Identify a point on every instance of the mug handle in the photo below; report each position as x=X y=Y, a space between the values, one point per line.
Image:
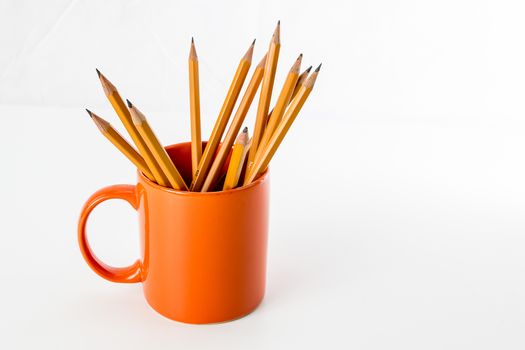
x=129 y=274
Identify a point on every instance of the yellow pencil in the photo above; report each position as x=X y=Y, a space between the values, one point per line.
x=222 y=120
x=160 y=154
x=116 y=101
x=282 y=103
x=266 y=92
x=261 y=163
x=236 y=161
x=235 y=125
x=122 y=145
x=195 y=111
x=300 y=81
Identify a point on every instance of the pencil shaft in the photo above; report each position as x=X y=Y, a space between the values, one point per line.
x=235 y=167
x=266 y=155
x=160 y=154
x=125 y=117
x=282 y=102
x=220 y=124
x=233 y=130
x=123 y=146
x=265 y=95
x=302 y=78
x=261 y=163
x=123 y=113
x=196 y=143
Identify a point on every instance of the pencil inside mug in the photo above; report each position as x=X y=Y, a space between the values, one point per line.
x=121 y=144
x=222 y=119
x=282 y=101
x=195 y=110
x=160 y=154
x=236 y=161
x=266 y=155
x=266 y=92
x=125 y=117
x=235 y=125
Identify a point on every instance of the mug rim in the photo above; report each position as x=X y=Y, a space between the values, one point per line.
x=144 y=179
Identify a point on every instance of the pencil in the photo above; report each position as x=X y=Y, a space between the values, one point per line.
x=266 y=92
x=123 y=113
x=236 y=161
x=300 y=81
x=235 y=126
x=195 y=111
x=122 y=145
x=160 y=154
x=261 y=163
x=282 y=102
x=222 y=120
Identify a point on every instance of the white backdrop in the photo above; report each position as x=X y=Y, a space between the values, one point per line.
x=382 y=59
x=397 y=198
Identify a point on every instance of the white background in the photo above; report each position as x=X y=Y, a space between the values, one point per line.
x=397 y=198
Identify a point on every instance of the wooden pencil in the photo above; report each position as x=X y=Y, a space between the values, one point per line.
x=235 y=126
x=282 y=102
x=122 y=145
x=236 y=161
x=160 y=154
x=123 y=113
x=266 y=92
x=195 y=112
x=300 y=81
x=222 y=120
x=297 y=103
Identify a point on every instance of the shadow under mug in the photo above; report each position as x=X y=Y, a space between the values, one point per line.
x=203 y=255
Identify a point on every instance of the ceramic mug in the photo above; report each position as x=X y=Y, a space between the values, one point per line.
x=203 y=255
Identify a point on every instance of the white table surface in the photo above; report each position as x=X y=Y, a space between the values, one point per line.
x=385 y=234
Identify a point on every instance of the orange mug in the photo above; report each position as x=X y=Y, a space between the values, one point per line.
x=203 y=255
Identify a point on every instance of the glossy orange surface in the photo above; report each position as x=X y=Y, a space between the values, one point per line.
x=203 y=254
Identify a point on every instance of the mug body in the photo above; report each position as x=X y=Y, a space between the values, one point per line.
x=203 y=254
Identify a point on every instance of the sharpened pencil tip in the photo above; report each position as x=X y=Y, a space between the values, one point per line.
x=98 y=72
x=253 y=43
x=89 y=112
x=263 y=62
x=308 y=69
x=318 y=67
x=129 y=103
x=193 y=52
x=276 y=37
x=249 y=54
x=279 y=22
x=245 y=130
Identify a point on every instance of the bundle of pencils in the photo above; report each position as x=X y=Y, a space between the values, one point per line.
x=249 y=155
